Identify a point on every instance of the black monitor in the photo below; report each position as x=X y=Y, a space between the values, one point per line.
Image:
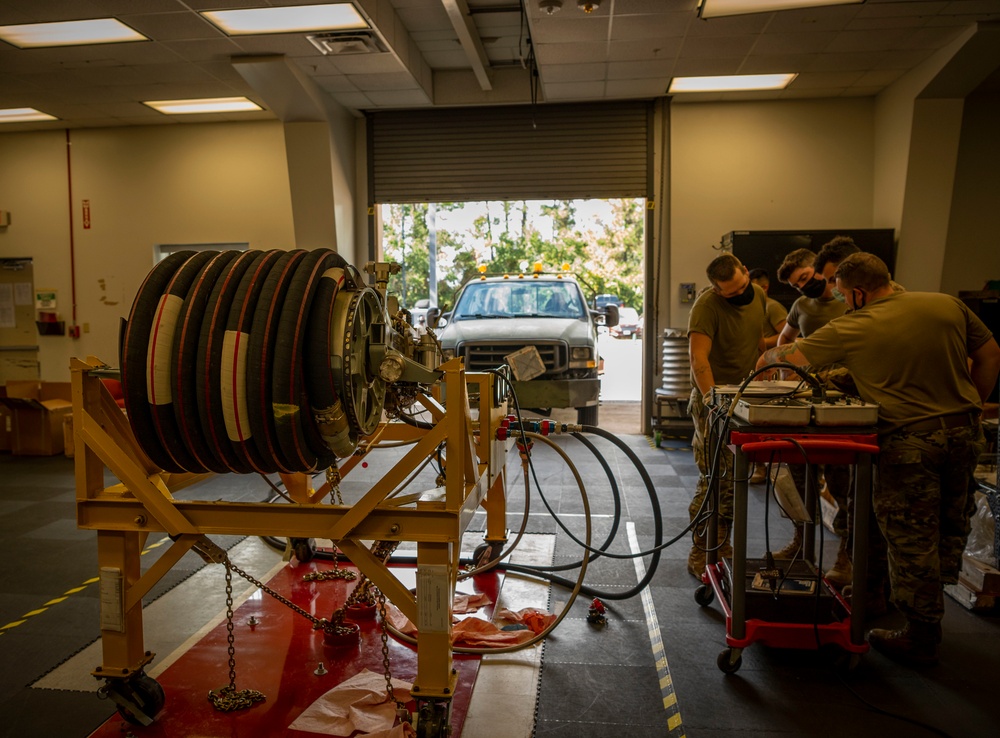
x=767 y=249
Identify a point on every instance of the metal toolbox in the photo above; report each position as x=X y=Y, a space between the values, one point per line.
x=779 y=411
x=844 y=412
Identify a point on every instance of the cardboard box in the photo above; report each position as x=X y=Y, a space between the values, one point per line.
x=38 y=410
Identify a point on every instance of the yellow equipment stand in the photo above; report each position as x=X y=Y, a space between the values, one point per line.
x=148 y=500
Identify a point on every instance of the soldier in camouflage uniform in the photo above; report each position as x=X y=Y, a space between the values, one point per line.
x=929 y=363
x=725 y=337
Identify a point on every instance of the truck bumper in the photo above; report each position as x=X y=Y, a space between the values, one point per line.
x=558 y=392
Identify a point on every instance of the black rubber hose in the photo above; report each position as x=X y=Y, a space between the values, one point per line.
x=616 y=493
x=657 y=534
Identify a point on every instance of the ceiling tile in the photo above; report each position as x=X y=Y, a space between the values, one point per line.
x=793 y=43
x=824 y=80
x=565 y=30
x=847 y=41
x=353 y=100
x=632 y=88
x=574 y=90
x=716 y=47
x=399 y=98
x=663 y=25
x=580 y=53
x=382 y=82
x=638 y=70
x=574 y=72
x=364 y=63
x=705 y=67
x=335 y=83
x=645 y=48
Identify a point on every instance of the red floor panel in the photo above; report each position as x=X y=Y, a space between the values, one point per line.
x=278 y=656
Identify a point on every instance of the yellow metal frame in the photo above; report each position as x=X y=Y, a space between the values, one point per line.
x=123 y=515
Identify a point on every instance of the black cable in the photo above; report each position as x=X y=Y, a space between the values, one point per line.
x=616 y=493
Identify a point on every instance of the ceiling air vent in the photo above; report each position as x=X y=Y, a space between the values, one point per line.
x=355 y=42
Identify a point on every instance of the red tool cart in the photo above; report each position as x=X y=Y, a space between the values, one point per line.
x=792 y=621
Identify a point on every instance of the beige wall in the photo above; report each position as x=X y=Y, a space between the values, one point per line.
x=763 y=166
x=186 y=183
x=973 y=250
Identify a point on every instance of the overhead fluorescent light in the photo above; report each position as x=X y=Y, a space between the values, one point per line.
x=290 y=19
x=69 y=33
x=204 y=105
x=23 y=115
x=731 y=83
x=721 y=8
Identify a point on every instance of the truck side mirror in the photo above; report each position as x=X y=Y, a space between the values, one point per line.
x=611 y=316
x=433 y=316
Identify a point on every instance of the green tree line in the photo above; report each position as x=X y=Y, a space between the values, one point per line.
x=606 y=258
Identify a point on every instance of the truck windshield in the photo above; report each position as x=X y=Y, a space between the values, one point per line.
x=518 y=299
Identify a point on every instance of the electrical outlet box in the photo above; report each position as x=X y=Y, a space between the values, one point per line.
x=4 y=218
x=687 y=291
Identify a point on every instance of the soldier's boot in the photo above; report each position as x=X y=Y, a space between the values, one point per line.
x=696 y=559
x=792 y=548
x=915 y=644
x=842 y=571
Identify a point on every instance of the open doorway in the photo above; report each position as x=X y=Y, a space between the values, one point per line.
x=441 y=246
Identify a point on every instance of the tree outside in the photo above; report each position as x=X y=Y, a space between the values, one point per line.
x=601 y=240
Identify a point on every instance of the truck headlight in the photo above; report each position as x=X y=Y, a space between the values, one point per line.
x=447 y=354
x=579 y=353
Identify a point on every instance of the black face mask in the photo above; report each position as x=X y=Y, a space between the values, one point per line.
x=744 y=298
x=814 y=288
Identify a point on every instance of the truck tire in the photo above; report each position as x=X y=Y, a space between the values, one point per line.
x=587 y=415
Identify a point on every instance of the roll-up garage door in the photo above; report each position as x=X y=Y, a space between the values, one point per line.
x=510 y=153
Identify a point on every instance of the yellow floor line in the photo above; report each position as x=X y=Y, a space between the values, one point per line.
x=674 y=725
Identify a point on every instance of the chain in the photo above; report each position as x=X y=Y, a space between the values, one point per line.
x=335 y=573
x=385 y=655
x=333 y=479
x=318 y=623
x=227 y=698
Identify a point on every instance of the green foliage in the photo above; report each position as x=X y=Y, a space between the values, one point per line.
x=607 y=258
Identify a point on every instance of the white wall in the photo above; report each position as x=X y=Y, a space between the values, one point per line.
x=182 y=183
x=779 y=165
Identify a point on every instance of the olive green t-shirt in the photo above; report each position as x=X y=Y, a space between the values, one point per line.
x=809 y=314
x=776 y=314
x=908 y=352
x=735 y=333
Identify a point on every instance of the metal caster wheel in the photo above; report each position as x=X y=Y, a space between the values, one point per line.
x=730 y=660
x=139 y=699
x=303 y=548
x=433 y=719
x=704 y=595
x=485 y=553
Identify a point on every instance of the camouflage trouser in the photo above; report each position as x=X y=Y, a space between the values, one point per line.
x=923 y=504
x=705 y=445
x=838 y=481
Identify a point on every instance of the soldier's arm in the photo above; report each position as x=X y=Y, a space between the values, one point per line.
x=788 y=353
x=985 y=367
x=699 y=347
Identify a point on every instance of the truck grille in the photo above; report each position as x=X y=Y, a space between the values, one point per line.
x=482 y=356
